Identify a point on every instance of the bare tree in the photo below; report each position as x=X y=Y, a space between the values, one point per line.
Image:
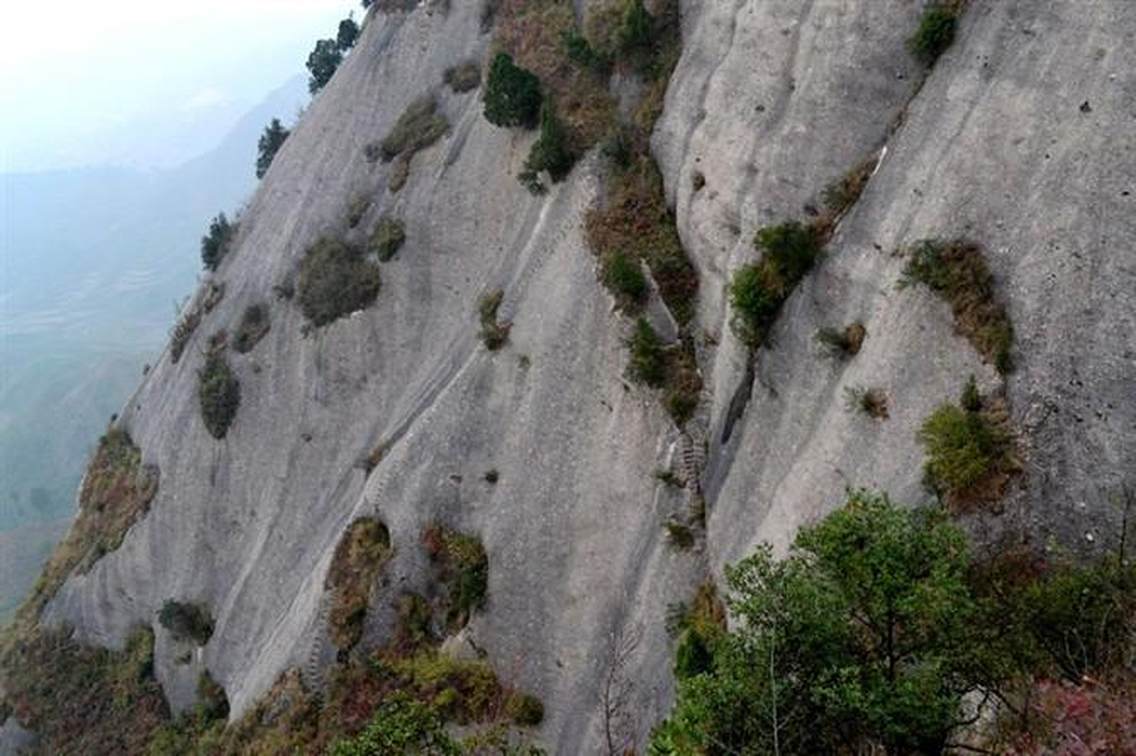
x=618 y=690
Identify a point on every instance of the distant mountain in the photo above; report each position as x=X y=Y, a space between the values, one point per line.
x=93 y=262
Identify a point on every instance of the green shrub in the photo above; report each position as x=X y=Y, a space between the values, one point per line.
x=680 y=535
x=387 y=238
x=359 y=557
x=512 y=95
x=461 y=564
x=400 y=725
x=419 y=126
x=493 y=333
x=252 y=328
x=842 y=194
x=525 y=709
x=964 y=449
x=335 y=280
x=186 y=621
x=935 y=34
x=215 y=245
x=463 y=78
x=648 y=362
x=181 y=332
x=624 y=277
x=757 y=291
x=212 y=702
x=268 y=145
x=549 y=153
x=581 y=52
x=957 y=272
x=219 y=393
x=347 y=34
x=692 y=657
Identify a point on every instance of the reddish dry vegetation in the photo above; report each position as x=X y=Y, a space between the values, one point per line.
x=1092 y=717
x=533 y=33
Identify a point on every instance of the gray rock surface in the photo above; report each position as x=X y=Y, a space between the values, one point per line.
x=773 y=99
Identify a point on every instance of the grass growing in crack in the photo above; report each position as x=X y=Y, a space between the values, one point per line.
x=957 y=271
x=494 y=334
x=936 y=31
x=842 y=342
x=462 y=566
x=362 y=552
x=872 y=402
x=648 y=363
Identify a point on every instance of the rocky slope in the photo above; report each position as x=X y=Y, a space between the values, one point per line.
x=771 y=101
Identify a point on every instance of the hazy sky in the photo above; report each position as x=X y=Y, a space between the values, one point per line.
x=143 y=82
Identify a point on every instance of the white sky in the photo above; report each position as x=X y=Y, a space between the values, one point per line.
x=82 y=82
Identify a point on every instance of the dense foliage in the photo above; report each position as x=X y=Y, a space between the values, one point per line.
x=335 y=280
x=218 y=393
x=758 y=291
x=322 y=63
x=215 y=244
x=512 y=95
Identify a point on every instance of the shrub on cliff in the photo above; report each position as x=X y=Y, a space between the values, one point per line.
x=335 y=280
x=512 y=95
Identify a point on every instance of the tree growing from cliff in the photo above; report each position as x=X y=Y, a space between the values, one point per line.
x=512 y=94
x=270 y=142
x=347 y=35
x=322 y=62
x=216 y=243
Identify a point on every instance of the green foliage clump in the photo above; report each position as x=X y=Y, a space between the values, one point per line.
x=387 y=238
x=347 y=34
x=758 y=291
x=582 y=53
x=357 y=209
x=525 y=709
x=186 y=621
x=463 y=78
x=253 y=327
x=322 y=63
x=215 y=244
x=462 y=564
x=400 y=725
x=935 y=34
x=623 y=276
x=843 y=342
x=218 y=393
x=335 y=280
x=419 y=126
x=494 y=334
x=648 y=360
x=965 y=450
x=957 y=272
x=512 y=95
x=268 y=145
x=362 y=551
x=549 y=153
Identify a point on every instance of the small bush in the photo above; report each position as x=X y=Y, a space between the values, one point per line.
x=463 y=78
x=359 y=558
x=957 y=272
x=461 y=564
x=845 y=342
x=252 y=328
x=322 y=63
x=935 y=34
x=215 y=244
x=182 y=331
x=512 y=95
x=186 y=621
x=758 y=290
x=969 y=453
x=335 y=280
x=669 y=478
x=648 y=361
x=624 y=277
x=680 y=535
x=356 y=209
x=492 y=476
x=549 y=153
x=493 y=334
x=419 y=126
x=581 y=52
x=373 y=152
x=873 y=402
x=219 y=394
x=683 y=387
x=268 y=145
x=387 y=238
x=212 y=702
x=843 y=194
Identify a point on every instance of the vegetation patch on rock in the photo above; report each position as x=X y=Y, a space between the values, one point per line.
x=186 y=621
x=218 y=392
x=359 y=558
x=253 y=327
x=335 y=280
x=387 y=238
x=494 y=334
x=462 y=567
x=216 y=243
x=757 y=291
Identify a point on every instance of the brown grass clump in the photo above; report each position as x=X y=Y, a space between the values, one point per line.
x=635 y=221
x=533 y=32
x=494 y=333
x=957 y=272
x=362 y=551
x=873 y=402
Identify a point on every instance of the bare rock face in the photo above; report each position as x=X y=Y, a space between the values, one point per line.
x=772 y=101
